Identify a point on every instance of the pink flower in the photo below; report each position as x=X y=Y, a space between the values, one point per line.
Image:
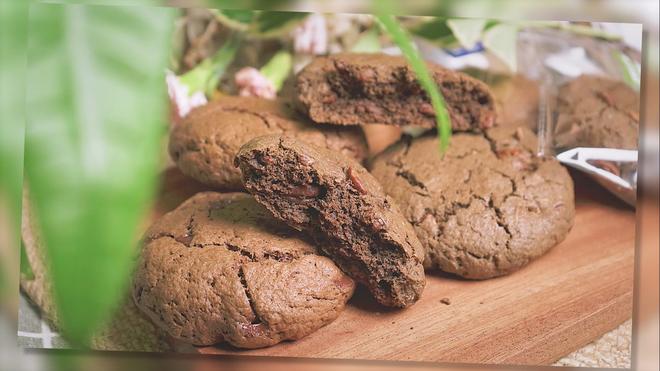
x=311 y=37
x=181 y=97
x=251 y=83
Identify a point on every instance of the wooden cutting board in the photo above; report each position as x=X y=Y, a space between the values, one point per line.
x=578 y=291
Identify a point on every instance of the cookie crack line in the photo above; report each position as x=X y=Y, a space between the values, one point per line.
x=257 y=318
x=611 y=102
x=278 y=256
x=455 y=207
x=411 y=178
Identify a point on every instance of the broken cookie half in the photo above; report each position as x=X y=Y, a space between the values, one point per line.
x=355 y=88
x=339 y=204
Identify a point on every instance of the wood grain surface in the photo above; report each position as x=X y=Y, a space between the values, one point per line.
x=578 y=291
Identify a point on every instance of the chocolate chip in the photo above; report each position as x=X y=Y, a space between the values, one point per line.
x=508 y=152
x=445 y=301
x=329 y=99
x=304 y=190
x=426 y=109
x=265 y=160
x=355 y=181
x=488 y=119
x=186 y=239
x=378 y=223
x=305 y=160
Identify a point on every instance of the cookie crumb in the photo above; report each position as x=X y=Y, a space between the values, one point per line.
x=445 y=301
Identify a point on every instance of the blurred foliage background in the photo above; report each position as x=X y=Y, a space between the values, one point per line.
x=97 y=113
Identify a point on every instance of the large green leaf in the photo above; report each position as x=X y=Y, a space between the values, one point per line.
x=96 y=102
x=13 y=46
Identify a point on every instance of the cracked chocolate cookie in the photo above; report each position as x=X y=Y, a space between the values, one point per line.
x=221 y=268
x=352 y=88
x=205 y=143
x=485 y=209
x=597 y=112
x=337 y=202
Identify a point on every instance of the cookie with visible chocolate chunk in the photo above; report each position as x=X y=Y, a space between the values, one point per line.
x=204 y=145
x=337 y=202
x=487 y=207
x=355 y=88
x=221 y=268
x=594 y=111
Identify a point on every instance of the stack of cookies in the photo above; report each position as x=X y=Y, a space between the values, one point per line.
x=279 y=262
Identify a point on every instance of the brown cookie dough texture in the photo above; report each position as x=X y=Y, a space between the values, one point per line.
x=221 y=268
x=485 y=209
x=353 y=88
x=205 y=143
x=597 y=112
x=337 y=202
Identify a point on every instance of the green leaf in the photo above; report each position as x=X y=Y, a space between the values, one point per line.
x=501 y=40
x=631 y=71
x=207 y=74
x=467 y=31
x=275 y=24
x=97 y=105
x=13 y=59
x=248 y=4
x=278 y=68
x=236 y=19
x=437 y=31
x=401 y=38
x=367 y=43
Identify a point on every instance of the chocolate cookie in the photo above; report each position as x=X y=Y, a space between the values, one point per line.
x=221 y=268
x=205 y=143
x=486 y=208
x=337 y=202
x=350 y=89
x=597 y=112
